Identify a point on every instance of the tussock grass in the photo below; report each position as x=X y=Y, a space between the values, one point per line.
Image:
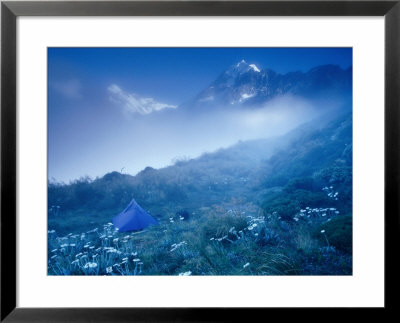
x=217 y=241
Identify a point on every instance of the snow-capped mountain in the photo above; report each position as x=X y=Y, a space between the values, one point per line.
x=245 y=84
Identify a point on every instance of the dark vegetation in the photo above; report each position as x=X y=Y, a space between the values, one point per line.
x=267 y=207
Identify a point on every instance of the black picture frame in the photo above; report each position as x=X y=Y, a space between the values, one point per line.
x=10 y=10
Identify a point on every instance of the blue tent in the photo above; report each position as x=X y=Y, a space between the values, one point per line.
x=133 y=218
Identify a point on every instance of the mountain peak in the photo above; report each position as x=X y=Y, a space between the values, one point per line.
x=244 y=84
x=241 y=63
x=243 y=67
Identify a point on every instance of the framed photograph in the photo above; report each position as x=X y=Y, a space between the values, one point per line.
x=178 y=160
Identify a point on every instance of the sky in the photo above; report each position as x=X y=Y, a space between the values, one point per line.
x=107 y=107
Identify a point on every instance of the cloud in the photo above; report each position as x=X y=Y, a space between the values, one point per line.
x=132 y=103
x=70 y=89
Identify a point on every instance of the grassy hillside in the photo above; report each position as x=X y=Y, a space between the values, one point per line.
x=281 y=206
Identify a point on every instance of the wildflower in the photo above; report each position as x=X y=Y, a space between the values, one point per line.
x=246 y=264
x=187 y=273
x=136 y=260
x=211 y=239
x=134 y=253
x=115 y=240
x=322 y=231
x=53 y=256
x=72 y=244
x=124 y=258
x=75 y=261
x=79 y=254
x=64 y=245
x=109 y=270
x=176 y=246
x=54 y=250
x=90 y=265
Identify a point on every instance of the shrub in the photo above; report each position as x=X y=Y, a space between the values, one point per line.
x=304 y=183
x=219 y=225
x=339 y=232
x=287 y=204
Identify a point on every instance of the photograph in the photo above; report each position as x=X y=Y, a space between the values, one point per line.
x=200 y=161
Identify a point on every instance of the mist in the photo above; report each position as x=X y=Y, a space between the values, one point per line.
x=159 y=139
x=162 y=138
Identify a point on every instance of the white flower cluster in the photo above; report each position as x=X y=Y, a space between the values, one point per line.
x=186 y=273
x=177 y=245
x=90 y=265
x=315 y=213
x=331 y=193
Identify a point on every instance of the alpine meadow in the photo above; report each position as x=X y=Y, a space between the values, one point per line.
x=200 y=161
